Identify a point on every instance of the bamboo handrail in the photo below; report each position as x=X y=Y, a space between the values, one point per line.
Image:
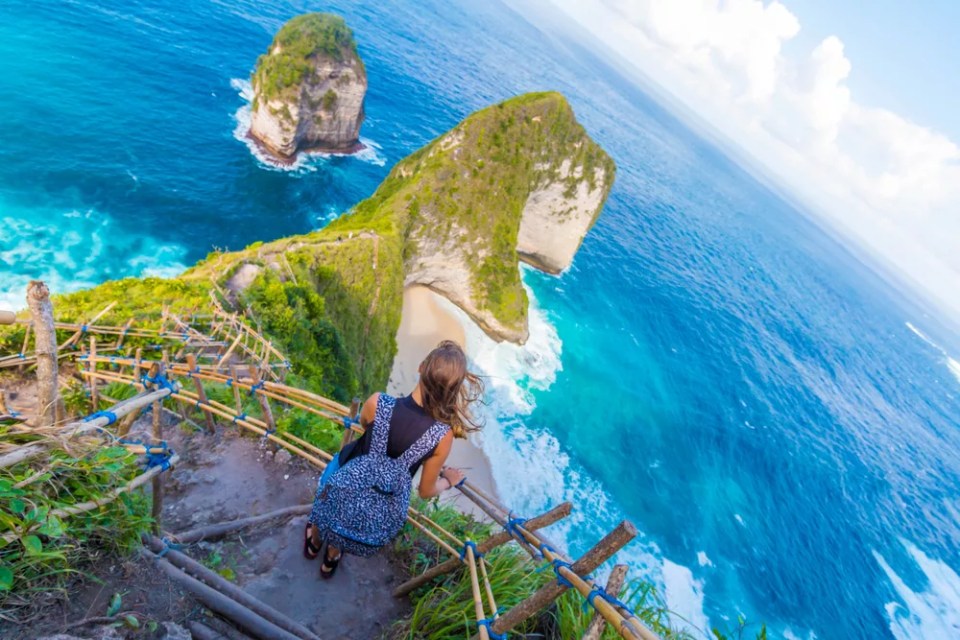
x=627 y=626
x=107 y=498
x=74 y=429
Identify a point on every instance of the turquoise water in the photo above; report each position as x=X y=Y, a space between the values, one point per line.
x=714 y=366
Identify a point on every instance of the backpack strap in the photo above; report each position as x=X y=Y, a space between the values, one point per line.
x=424 y=444
x=381 y=424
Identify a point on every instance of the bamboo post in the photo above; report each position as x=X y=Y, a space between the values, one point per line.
x=237 y=400
x=347 y=437
x=264 y=403
x=157 y=508
x=80 y=331
x=600 y=553
x=477 y=598
x=45 y=339
x=491 y=601
x=229 y=352
x=496 y=540
x=26 y=343
x=201 y=394
x=123 y=333
x=94 y=397
x=614 y=584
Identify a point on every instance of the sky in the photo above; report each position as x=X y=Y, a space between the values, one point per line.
x=852 y=106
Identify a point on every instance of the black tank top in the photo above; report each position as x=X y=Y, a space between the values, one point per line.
x=408 y=423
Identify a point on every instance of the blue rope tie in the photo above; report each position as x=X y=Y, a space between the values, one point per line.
x=21 y=356
x=512 y=525
x=242 y=416
x=13 y=413
x=158 y=458
x=253 y=389
x=109 y=415
x=348 y=422
x=83 y=328
x=598 y=591
x=487 y=622
x=229 y=382
x=168 y=546
x=470 y=544
x=561 y=579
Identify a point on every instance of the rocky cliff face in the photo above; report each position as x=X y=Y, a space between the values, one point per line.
x=309 y=89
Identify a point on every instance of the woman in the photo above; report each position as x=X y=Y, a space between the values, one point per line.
x=363 y=494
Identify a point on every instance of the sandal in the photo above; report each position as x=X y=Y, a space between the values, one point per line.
x=310 y=552
x=330 y=564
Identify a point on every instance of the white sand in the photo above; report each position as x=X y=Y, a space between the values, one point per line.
x=423 y=324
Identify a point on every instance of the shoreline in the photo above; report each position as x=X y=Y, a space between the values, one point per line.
x=423 y=324
x=289 y=161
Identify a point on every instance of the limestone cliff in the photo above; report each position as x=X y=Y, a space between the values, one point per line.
x=309 y=88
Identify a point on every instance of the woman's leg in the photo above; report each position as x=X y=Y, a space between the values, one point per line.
x=331 y=560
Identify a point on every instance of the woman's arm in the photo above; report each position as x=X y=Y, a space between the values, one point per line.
x=369 y=410
x=434 y=479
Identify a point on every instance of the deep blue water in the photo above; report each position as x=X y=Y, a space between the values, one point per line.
x=714 y=366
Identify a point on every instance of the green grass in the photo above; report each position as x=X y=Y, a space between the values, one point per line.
x=299 y=42
x=444 y=609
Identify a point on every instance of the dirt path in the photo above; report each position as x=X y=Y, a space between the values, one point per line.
x=239 y=477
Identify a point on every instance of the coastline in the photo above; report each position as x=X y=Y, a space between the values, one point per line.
x=423 y=324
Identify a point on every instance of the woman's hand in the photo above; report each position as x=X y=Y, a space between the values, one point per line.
x=452 y=475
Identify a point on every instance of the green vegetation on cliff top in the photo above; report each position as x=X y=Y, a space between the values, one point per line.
x=300 y=41
x=464 y=193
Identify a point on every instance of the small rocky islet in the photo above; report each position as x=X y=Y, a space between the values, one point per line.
x=308 y=89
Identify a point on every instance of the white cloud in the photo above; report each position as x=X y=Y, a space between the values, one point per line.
x=892 y=183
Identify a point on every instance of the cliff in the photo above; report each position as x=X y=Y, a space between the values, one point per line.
x=520 y=180
x=309 y=88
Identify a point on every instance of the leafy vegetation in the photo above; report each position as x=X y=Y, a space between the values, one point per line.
x=444 y=608
x=303 y=38
x=46 y=550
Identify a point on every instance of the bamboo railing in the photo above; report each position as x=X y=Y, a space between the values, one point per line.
x=247 y=363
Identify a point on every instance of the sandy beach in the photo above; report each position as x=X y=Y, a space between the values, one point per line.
x=423 y=325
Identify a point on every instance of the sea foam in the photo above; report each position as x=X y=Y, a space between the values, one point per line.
x=74 y=250
x=931 y=612
x=952 y=364
x=304 y=162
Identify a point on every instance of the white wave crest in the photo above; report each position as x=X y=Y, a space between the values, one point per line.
x=74 y=250
x=532 y=470
x=684 y=596
x=930 y=614
x=952 y=365
x=304 y=162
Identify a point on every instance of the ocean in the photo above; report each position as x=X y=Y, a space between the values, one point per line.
x=778 y=421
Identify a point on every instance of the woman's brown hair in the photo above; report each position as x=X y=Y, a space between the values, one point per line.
x=448 y=388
